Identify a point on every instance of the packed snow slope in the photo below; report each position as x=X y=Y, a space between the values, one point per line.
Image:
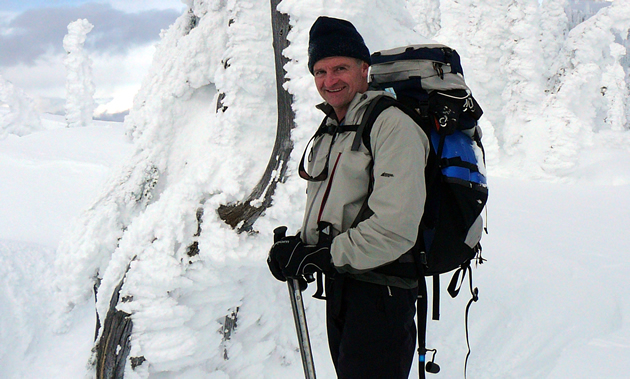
x=200 y=133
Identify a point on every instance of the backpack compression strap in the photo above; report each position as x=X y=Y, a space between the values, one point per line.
x=374 y=109
x=453 y=290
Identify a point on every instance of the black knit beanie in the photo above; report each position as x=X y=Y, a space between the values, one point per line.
x=332 y=37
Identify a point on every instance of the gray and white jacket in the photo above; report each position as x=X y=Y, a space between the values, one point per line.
x=399 y=154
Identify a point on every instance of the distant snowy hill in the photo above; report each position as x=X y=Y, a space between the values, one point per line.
x=136 y=215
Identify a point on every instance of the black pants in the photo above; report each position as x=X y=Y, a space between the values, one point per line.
x=371 y=329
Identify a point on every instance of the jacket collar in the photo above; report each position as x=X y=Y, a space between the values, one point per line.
x=355 y=109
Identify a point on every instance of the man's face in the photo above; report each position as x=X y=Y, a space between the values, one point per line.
x=338 y=79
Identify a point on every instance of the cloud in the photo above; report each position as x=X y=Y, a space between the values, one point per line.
x=37 y=32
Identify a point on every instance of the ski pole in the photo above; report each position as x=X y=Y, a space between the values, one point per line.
x=299 y=316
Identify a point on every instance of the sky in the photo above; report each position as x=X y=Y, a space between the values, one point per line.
x=121 y=46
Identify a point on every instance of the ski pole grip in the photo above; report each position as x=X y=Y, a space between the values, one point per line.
x=279 y=233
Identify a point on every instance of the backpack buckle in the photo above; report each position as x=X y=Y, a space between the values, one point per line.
x=438 y=69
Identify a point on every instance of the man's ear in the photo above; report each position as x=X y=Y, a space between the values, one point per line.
x=365 y=67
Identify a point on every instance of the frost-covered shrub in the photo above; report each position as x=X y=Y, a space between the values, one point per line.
x=18 y=115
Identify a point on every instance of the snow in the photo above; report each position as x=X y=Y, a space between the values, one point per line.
x=551 y=293
x=38 y=169
x=122 y=200
x=46 y=179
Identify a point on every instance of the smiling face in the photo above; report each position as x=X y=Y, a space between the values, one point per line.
x=338 y=79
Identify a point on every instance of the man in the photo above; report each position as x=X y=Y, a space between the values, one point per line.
x=369 y=202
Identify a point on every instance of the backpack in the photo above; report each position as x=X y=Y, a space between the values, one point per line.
x=429 y=86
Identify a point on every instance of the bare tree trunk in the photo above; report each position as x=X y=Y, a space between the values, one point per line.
x=243 y=214
x=112 y=349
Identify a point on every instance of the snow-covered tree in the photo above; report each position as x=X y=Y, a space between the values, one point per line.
x=616 y=91
x=80 y=90
x=531 y=75
x=203 y=125
x=19 y=117
x=160 y=241
x=426 y=15
x=554 y=27
x=521 y=63
x=590 y=94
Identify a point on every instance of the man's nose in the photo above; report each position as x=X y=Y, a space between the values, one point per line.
x=330 y=80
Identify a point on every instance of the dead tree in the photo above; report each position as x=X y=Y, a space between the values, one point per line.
x=112 y=349
x=242 y=215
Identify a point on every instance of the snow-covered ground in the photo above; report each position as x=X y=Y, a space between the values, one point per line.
x=553 y=297
x=46 y=179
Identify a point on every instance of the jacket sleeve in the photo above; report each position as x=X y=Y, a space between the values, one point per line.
x=400 y=150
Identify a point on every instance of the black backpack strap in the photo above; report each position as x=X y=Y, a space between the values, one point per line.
x=436 y=297
x=374 y=109
x=474 y=298
x=453 y=290
x=427 y=123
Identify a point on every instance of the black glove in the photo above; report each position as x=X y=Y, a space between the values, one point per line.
x=280 y=253
x=305 y=260
x=289 y=257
